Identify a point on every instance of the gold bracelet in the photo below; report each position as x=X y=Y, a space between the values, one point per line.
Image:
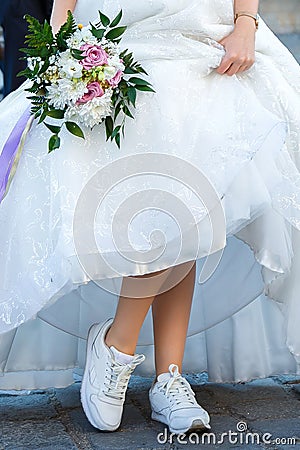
x=255 y=17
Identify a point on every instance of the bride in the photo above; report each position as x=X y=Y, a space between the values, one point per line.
x=200 y=221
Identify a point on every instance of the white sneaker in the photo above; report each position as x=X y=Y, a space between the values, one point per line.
x=173 y=402
x=105 y=380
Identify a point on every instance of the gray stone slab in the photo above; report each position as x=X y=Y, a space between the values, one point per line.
x=30 y=434
x=243 y=392
x=69 y=397
x=134 y=432
x=283 y=429
x=296 y=390
x=267 y=409
x=29 y=407
x=146 y=438
x=208 y=401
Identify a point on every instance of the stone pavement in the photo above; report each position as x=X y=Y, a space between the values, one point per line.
x=53 y=419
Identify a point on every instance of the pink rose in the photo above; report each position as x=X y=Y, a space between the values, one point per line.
x=94 y=90
x=115 y=80
x=94 y=55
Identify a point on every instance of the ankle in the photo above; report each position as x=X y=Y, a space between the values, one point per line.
x=119 y=345
x=166 y=369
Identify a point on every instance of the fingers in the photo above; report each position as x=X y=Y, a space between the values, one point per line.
x=231 y=65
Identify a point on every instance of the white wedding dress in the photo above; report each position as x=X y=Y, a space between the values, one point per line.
x=239 y=135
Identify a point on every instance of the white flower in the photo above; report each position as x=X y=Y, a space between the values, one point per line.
x=115 y=62
x=72 y=69
x=69 y=66
x=81 y=37
x=32 y=62
x=65 y=93
x=64 y=58
x=55 y=97
x=75 y=41
x=93 y=112
x=87 y=36
x=109 y=72
x=51 y=73
x=112 y=48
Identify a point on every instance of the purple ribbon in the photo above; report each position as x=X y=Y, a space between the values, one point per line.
x=9 y=151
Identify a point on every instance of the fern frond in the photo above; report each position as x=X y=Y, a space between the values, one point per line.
x=65 y=32
x=40 y=37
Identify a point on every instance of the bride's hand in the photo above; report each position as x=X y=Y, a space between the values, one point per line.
x=240 y=47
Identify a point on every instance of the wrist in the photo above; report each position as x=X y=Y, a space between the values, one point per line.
x=245 y=24
x=246 y=16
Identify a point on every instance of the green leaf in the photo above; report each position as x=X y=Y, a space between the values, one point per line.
x=130 y=70
x=54 y=143
x=117 y=110
x=131 y=94
x=42 y=116
x=116 y=20
x=123 y=130
x=73 y=128
x=77 y=54
x=109 y=126
x=56 y=113
x=127 y=111
x=39 y=37
x=25 y=73
x=65 y=32
x=98 y=32
x=145 y=88
x=118 y=139
x=138 y=81
x=104 y=19
x=53 y=128
x=115 y=132
x=115 y=33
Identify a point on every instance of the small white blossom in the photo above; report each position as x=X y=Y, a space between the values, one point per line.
x=32 y=62
x=87 y=36
x=81 y=37
x=64 y=58
x=75 y=41
x=112 y=48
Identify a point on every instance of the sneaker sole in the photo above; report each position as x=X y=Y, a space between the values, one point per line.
x=91 y=337
x=197 y=424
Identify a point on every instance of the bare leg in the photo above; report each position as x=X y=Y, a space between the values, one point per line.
x=132 y=309
x=171 y=313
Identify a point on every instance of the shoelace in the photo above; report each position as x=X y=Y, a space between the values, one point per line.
x=178 y=388
x=118 y=377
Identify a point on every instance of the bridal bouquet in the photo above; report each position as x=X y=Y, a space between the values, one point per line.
x=80 y=77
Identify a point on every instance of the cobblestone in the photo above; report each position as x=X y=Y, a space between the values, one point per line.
x=54 y=419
